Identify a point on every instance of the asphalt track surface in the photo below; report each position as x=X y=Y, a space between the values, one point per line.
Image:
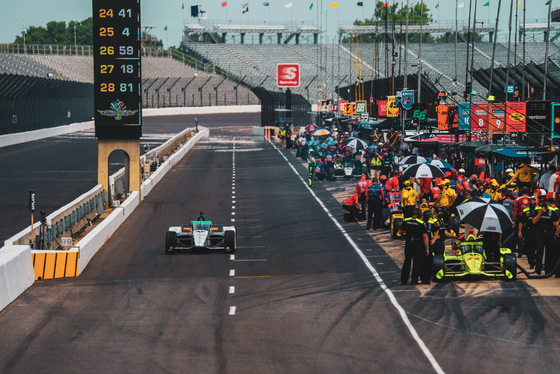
x=295 y=298
x=61 y=168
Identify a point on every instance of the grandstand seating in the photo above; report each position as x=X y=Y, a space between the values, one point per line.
x=257 y=63
x=165 y=71
x=254 y=65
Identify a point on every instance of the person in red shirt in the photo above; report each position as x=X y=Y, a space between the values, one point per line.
x=425 y=188
x=362 y=190
x=352 y=205
x=521 y=203
x=392 y=184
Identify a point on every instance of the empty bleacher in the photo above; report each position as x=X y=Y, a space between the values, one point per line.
x=163 y=77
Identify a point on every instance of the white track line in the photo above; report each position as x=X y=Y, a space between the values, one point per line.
x=372 y=269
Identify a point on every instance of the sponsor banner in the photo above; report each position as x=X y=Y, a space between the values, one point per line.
x=516 y=117
x=479 y=117
x=392 y=109
x=382 y=108
x=496 y=118
x=287 y=75
x=538 y=115
x=464 y=116
x=444 y=122
x=339 y=105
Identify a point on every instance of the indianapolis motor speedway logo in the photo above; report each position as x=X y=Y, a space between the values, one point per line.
x=118 y=111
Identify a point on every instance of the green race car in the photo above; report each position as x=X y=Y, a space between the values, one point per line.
x=469 y=259
x=200 y=235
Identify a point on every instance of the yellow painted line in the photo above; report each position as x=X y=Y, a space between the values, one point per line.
x=254 y=276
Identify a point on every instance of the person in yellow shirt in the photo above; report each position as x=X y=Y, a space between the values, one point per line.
x=447 y=195
x=524 y=176
x=493 y=191
x=409 y=196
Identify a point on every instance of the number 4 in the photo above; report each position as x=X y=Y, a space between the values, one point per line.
x=126 y=31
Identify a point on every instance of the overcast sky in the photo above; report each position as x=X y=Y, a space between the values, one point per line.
x=170 y=13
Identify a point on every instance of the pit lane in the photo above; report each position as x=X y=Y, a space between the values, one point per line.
x=303 y=301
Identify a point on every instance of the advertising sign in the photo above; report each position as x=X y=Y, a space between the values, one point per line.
x=361 y=107
x=496 y=118
x=479 y=117
x=446 y=120
x=287 y=75
x=392 y=109
x=538 y=115
x=516 y=117
x=464 y=116
x=407 y=99
x=382 y=108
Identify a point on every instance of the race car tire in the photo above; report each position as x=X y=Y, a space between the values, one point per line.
x=170 y=238
x=510 y=264
x=229 y=241
x=397 y=223
x=330 y=174
x=438 y=263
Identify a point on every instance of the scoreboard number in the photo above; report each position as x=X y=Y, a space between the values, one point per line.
x=117 y=74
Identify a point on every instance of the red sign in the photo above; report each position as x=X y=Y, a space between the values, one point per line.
x=287 y=75
x=516 y=116
x=496 y=118
x=479 y=117
x=382 y=108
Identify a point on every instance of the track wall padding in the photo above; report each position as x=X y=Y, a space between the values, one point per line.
x=55 y=264
x=16 y=272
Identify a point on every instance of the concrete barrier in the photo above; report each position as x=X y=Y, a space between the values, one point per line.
x=16 y=272
x=29 y=136
x=95 y=239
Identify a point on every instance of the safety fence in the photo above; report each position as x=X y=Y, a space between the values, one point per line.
x=282 y=107
x=32 y=103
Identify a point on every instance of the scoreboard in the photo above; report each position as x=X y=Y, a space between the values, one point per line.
x=116 y=62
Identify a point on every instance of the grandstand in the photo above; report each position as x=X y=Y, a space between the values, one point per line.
x=256 y=64
x=166 y=81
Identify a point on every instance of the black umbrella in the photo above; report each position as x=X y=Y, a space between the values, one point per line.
x=423 y=171
x=412 y=160
x=485 y=215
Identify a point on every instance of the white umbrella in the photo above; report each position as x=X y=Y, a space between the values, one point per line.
x=356 y=144
x=485 y=215
x=411 y=160
x=423 y=171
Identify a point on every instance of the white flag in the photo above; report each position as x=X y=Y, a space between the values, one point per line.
x=462 y=5
x=289 y=5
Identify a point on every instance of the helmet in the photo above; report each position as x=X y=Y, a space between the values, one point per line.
x=383 y=177
x=462 y=171
x=446 y=181
x=509 y=170
x=495 y=183
x=427 y=215
x=407 y=183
